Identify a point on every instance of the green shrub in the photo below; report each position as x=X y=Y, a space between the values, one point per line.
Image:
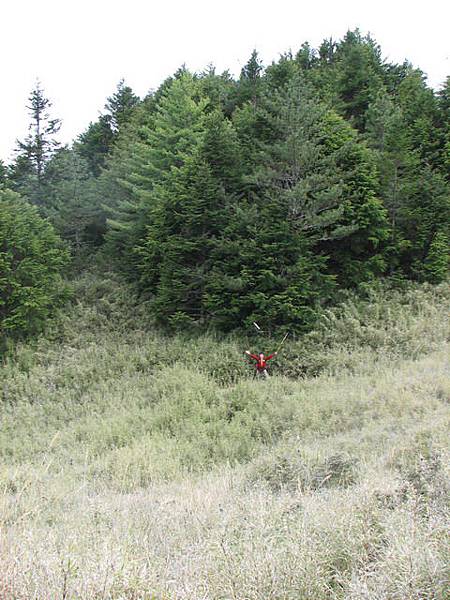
x=32 y=259
x=384 y=322
x=437 y=262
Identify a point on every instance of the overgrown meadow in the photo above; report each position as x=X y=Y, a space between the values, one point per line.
x=135 y=465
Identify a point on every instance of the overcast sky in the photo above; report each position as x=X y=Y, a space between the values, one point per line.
x=80 y=49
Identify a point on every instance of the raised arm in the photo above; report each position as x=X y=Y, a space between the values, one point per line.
x=251 y=355
x=271 y=356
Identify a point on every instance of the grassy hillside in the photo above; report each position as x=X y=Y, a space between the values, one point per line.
x=135 y=465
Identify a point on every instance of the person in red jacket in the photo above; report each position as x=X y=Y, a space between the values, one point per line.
x=261 y=362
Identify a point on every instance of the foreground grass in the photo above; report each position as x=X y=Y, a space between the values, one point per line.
x=132 y=467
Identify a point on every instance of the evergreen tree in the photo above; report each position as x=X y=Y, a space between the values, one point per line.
x=34 y=153
x=250 y=82
x=189 y=210
x=280 y=73
x=437 y=262
x=95 y=144
x=32 y=260
x=306 y=57
x=219 y=89
x=416 y=196
x=164 y=140
x=265 y=271
x=420 y=111
x=176 y=252
x=444 y=128
x=72 y=205
x=327 y=52
x=359 y=75
x=328 y=179
x=119 y=203
x=388 y=134
x=3 y=175
x=264 y=265
x=221 y=150
x=119 y=107
x=356 y=243
x=425 y=222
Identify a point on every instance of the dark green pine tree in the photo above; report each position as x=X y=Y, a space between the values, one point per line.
x=168 y=137
x=175 y=256
x=306 y=57
x=3 y=175
x=322 y=73
x=415 y=195
x=95 y=144
x=437 y=262
x=444 y=128
x=359 y=75
x=250 y=82
x=425 y=222
x=329 y=180
x=221 y=150
x=219 y=89
x=420 y=111
x=120 y=205
x=33 y=154
x=161 y=140
x=72 y=204
x=279 y=74
x=264 y=265
x=190 y=208
x=32 y=263
x=327 y=52
x=387 y=133
x=265 y=271
x=119 y=107
x=356 y=242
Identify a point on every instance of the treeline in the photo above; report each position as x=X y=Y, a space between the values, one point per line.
x=259 y=198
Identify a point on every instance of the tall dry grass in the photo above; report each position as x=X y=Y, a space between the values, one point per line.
x=133 y=467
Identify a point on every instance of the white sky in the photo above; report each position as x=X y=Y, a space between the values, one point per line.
x=80 y=49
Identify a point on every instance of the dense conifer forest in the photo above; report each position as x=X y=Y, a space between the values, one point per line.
x=227 y=200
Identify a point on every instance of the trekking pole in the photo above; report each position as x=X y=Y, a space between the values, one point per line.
x=257 y=327
x=282 y=342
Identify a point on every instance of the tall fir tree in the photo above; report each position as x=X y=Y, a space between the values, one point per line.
x=190 y=209
x=95 y=144
x=119 y=107
x=72 y=204
x=34 y=153
x=264 y=265
x=359 y=75
x=3 y=175
x=176 y=252
x=313 y=158
x=264 y=271
x=33 y=261
x=444 y=127
x=250 y=82
x=164 y=139
x=415 y=195
x=420 y=110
